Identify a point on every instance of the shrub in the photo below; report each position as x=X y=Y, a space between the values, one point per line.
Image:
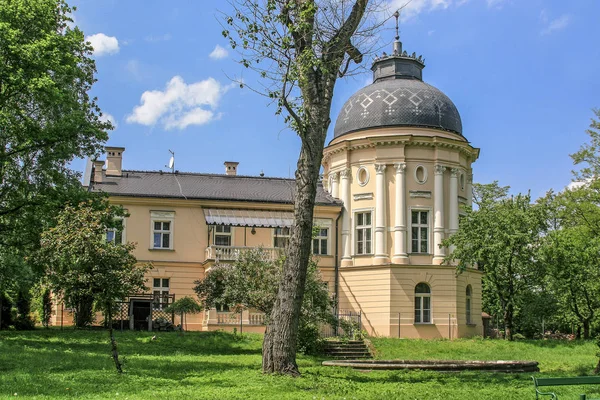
x=6 y=319
x=24 y=321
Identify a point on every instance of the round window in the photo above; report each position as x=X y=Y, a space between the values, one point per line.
x=362 y=176
x=420 y=174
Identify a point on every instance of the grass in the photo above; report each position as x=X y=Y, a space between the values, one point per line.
x=217 y=365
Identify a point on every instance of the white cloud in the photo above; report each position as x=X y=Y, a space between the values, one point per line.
x=103 y=44
x=159 y=38
x=495 y=3
x=108 y=117
x=555 y=25
x=577 y=184
x=180 y=105
x=218 y=53
x=415 y=7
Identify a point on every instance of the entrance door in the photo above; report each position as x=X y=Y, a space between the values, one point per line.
x=141 y=313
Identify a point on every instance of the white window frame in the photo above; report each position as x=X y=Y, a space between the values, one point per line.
x=469 y=304
x=420 y=309
x=319 y=239
x=356 y=227
x=419 y=225
x=114 y=230
x=230 y=234
x=162 y=216
x=275 y=235
x=323 y=223
x=162 y=290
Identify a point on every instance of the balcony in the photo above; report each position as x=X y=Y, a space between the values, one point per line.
x=232 y=253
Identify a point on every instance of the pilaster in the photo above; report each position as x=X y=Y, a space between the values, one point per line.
x=400 y=256
x=381 y=256
x=438 y=210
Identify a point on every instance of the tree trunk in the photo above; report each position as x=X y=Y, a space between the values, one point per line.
x=113 y=342
x=279 y=346
x=508 y=322
x=586 y=329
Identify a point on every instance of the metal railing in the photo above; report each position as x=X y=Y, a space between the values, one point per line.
x=232 y=253
x=348 y=323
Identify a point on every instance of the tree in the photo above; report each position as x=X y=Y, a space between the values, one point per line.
x=300 y=48
x=47 y=118
x=500 y=238
x=251 y=283
x=570 y=256
x=85 y=268
x=183 y=306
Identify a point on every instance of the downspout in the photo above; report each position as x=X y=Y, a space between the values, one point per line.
x=337 y=266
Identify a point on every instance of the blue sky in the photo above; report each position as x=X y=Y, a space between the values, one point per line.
x=523 y=74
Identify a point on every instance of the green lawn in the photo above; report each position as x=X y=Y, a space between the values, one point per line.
x=76 y=364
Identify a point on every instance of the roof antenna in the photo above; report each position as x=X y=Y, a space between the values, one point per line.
x=397 y=42
x=171 y=165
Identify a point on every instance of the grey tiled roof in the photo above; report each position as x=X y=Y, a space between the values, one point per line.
x=205 y=186
x=398 y=102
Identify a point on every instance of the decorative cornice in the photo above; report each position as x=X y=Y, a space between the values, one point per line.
x=426 y=194
x=380 y=168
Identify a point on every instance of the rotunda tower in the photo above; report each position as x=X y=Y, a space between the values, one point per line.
x=402 y=167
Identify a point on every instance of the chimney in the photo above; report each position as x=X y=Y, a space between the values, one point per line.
x=114 y=161
x=98 y=164
x=231 y=167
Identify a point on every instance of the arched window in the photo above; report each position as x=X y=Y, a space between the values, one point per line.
x=422 y=304
x=468 y=304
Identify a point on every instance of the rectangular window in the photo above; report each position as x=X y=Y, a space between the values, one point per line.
x=320 y=242
x=363 y=232
x=281 y=237
x=115 y=234
x=420 y=231
x=222 y=235
x=160 y=291
x=422 y=309
x=162 y=234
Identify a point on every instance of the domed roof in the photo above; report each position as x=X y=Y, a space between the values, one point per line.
x=398 y=97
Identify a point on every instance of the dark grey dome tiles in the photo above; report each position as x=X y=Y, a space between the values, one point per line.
x=398 y=102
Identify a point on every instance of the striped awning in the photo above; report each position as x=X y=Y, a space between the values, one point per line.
x=272 y=219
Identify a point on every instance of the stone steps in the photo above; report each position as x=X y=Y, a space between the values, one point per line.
x=353 y=349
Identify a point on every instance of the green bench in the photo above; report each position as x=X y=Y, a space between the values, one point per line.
x=578 y=380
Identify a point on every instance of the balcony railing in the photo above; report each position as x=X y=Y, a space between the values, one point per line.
x=233 y=318
x=232 y=253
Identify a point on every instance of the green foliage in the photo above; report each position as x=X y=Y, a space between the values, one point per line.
x=6 y=319
x=251 y=282
x=47 y=119
x=224 y=367
x=589 y=153
x=23 y=321
x=83 y=267
x=500 y=238
x=185 y=305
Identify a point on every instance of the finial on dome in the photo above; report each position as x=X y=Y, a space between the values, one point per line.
x=397 y=42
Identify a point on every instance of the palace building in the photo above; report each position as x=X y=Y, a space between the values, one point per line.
x=397 y=176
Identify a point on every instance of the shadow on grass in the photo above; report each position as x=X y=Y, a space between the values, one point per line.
x=78 y=364
x=552 y=343
x=134 y=343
